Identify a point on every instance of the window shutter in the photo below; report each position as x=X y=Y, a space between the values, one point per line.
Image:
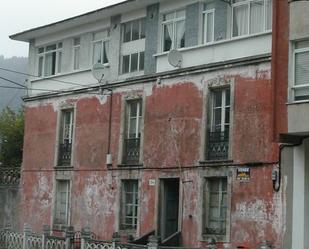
x=302 y=68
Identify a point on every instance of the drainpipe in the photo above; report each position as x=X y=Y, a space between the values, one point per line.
x=109 y=159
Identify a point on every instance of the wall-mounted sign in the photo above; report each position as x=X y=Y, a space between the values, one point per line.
x=152 y=182
x=243 y=174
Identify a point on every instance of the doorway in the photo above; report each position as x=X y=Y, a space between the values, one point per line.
x=169 y=207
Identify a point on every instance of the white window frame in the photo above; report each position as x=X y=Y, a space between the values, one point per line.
x=124 y=204
x=174 y=22
x=218 y=237
x=139 y=115
x=58 y=61
x=140 y=20
x=130 y=61
x=205 y=13
x=248 y=3
x=294 y=86
x=103 y=41
x=76 y=49
x=223 y=108
x=57 y=215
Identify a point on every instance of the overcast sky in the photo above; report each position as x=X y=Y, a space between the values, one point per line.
x=20 y=15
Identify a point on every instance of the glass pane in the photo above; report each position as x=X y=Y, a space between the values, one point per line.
x=269 y=14
x=59 y=64
x=227 y=97
x=50 y=64
x=142 y=28
x=106 y=50
x=40 y=69
x=302 y=68
x=168 y=34
x=302 y=44
x=40 y=50
x=217 y=98
x=127 y=32
x=132 y=131
x=125 y=63
x=180 y=34
x=209 y=26
x=60 y=45
x=256 y=17
x=302 y=94
x=134 y=62
x=240 y=20
x=133 y=109
x=97 y=52
x=76 y=57
x=214 y=185
x=129 y=198
x=214 y=199
x=141 y=61
x=217 y=117
x=76 y=41
x=227 y=115
x=51 y=47
x=135 y=30
x=214 y=213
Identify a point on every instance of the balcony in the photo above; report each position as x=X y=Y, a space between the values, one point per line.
x=217 y=145
x=131 y=151
x=64 y=156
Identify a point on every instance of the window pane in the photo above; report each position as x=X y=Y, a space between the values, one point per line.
x=143 y=28
x=76 y=57
x=302 y=94
x=135 y=30
x=76 y=41
x=256 y=17
x=105 y=52
x=127 y=32
x=133 y=109
x=59 y=63
x=97 y=52
x=134 y=62
x=209 y=22
x=302 y=68
x=227 y=115
x=168 y=34
x=125 y=63
x=141 y=61
x=240 y=20
x=302 y=44
x=269 y=14
x=50 y=64
x=51 y=47
x=40 y=69
x=217 y=117
x=227 y=97
x=180 y=34
x=217 y=98
x=41 y=50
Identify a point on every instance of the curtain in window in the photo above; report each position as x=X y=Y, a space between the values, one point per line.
x=169 y=28
x=97 y=52
x=48 y=64
x=240 y=23
x=106 y=52
x=256 y=17
x=180 y=32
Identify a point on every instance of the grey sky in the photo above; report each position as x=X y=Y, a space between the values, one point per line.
x=20 y=15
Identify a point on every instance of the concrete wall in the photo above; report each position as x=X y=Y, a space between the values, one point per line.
x=173 y=133
x=9 y=207
x=298 y=118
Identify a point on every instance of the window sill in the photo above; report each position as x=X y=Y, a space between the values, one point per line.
x=225 y=162
x=298 y=102
x=69 y=167
x=214 y=43
x=131 y=166
x=217 y=238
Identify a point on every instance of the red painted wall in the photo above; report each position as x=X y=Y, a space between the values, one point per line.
x=173 y=130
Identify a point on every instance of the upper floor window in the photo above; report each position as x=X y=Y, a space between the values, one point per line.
x=133 y=62
x=49 y=59
x=218 y=134
x=173 y=30
x=251 y=17
x=76 y=53
x=133 y=30
x=133 y=120
x=66 y=137
x=301 y=70
x=209 y=22
x=100 y=47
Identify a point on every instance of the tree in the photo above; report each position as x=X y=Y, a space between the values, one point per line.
x=11 y=137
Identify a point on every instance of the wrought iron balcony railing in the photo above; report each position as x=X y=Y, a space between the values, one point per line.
x=217 y=145
x=9 y=175
x=64 y=156
x=131 y=151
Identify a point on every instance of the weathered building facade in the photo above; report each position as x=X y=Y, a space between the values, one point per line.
x=188 y=151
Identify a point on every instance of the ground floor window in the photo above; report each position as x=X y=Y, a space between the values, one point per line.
x=62 y=197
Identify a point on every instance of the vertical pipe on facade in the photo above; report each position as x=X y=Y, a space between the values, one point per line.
x=110 y=122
